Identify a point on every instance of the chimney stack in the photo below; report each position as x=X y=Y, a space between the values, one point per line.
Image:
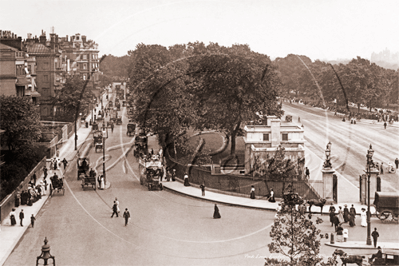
x=84 y=38
x=43 y=38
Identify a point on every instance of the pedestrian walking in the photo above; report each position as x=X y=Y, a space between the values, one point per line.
x=271 y=198
x=203 y=188
x=65 y=162
x=335 y=221
x=252 y=193
x=44 y=172
x=174 y=175
x=186 y=183
x=216 y=213
x=346 y=214
x=112 y=127
x=34 y=178
x=21 y=217
x=340 y=215
x=363 y=215
x=385 y=125
x=117 y=205
x=12 y=217
x=382 y=168
x=32 y=220
x=114 y=210
x=332 y=214
x=352 y=216
x=126 y=215
x=55 y=164
x=397 y=163
x=307 y=173
x=375 y=236
x=99 y=181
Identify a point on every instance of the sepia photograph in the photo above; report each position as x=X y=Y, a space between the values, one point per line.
x=199 y=132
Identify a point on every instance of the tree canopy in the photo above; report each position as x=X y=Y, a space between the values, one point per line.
x=197 y=86
x=21 y=121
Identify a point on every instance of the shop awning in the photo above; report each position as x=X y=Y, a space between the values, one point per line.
x=23 y=82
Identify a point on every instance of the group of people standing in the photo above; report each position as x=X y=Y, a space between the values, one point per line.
x=342 y=216
x=13 y=219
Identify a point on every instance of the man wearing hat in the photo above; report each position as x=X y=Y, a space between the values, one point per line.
x=375 y=236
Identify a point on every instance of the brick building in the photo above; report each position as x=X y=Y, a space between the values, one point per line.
x=17 y=68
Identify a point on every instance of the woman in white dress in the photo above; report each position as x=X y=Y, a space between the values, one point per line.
x=363 y=215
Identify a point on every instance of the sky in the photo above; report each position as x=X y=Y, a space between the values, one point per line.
x=319 y=29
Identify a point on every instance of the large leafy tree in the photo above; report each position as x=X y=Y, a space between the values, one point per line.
x=21 y=121
x=232 y=85
x=157 y=81
x=70 y=97
x=295 y=237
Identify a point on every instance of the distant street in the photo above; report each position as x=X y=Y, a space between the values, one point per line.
x=350 y=142
x=170 y=229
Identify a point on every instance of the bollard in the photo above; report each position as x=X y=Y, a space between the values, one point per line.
x=332 y=239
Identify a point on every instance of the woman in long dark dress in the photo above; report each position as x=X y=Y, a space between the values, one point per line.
x=252 y=192
x=216 y=214
x=186 y=183
x=346 y=214
x=271 y=198
x=332 y=214
x=12 y=217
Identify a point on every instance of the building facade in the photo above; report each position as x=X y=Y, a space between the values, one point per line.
x=262 y=141
x=17 y=68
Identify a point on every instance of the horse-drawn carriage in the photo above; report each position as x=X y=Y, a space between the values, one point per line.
x=151 y=171
x=57 y=185
x=94 y=126
x=118 y=121
x=118 y=105
x=110 y=104
x=292 y=198
x=141 y=145
x=387 y=206
x=83 y=173
x=388 y=257
x=98 y=140
x=123 y=103
x=131 y=128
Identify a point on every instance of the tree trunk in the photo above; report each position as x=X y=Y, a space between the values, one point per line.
x=233 y=135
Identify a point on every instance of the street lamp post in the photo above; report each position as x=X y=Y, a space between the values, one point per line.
x=370 y=153
x=105 y=177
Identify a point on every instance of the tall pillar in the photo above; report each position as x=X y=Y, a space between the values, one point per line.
x=328 y=184
x=373 y=183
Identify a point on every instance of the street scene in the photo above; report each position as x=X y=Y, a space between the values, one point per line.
x=194 y=152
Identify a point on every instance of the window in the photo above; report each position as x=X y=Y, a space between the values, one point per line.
x=45 y=78
x=285 y=137
x=84 y=57
x=84 y=77
x=265 y=137
x=84 y=66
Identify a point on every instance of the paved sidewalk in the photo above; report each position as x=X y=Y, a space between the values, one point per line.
x=10 y=235
x=195 y=191
x=362 y=245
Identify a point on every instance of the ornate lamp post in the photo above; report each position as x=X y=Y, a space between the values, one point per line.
x=45 y=256
x=370 y=153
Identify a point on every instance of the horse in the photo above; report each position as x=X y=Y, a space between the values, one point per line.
x=345 y=258
x=320 y=203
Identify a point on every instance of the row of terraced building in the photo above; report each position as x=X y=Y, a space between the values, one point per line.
x=36 y=67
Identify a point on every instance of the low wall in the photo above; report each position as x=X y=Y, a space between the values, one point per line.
x=238 y=183
x=8 y=202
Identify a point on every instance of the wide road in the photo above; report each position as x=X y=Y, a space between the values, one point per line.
x=350 y=142
x=165 y=228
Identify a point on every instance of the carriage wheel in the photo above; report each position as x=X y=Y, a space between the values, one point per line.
x=395 y=218
x=384 y=215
